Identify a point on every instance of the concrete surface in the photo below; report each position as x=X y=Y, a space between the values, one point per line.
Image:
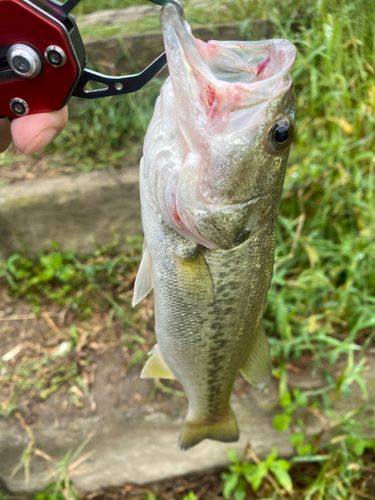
x=75 y=211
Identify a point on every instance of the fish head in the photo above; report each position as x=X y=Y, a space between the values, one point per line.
x=230 y=110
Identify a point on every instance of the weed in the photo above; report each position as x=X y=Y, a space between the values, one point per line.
x=56 y=491
x=63 y=278
x=243 y=473
x=340 y=470
x=341 y=463
x=190 y=496
x=338 y=459
x=61 y=471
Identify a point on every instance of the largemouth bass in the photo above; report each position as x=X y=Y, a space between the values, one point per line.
x=210 y=181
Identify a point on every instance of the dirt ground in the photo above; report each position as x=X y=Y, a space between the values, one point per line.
x=72 y=361
x=54 y=355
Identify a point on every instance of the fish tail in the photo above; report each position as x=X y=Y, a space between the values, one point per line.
x=224 y=429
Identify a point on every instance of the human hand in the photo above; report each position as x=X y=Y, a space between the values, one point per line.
x=32 y=132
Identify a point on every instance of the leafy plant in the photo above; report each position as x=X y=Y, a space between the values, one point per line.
x=190 y=496
x=243 y=473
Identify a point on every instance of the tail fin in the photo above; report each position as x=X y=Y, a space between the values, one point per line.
x=194 y=431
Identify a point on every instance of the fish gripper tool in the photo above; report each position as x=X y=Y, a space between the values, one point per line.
x=43 y=59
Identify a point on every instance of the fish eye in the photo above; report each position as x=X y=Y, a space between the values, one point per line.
x=280 y=136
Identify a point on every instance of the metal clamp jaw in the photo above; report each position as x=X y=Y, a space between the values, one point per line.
x=43 y=59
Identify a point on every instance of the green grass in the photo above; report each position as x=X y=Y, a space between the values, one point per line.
x=87 y=6
x=81 y=284
x=323 y=293
x=335 y=472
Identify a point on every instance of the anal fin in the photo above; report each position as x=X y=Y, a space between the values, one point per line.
x=257 y=368
x=144 y=281
x=155 y=366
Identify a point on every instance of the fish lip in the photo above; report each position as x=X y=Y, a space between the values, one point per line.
x=196 y=53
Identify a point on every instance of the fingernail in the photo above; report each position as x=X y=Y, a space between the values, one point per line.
x=47 y=135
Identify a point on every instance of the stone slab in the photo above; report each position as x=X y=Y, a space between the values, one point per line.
x=75 y=211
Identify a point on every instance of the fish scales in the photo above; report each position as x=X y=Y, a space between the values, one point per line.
x=211 y=181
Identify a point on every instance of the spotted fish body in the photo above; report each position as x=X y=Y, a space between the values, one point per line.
x=211 y=180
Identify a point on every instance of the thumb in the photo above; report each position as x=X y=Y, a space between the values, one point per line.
x=33 y=132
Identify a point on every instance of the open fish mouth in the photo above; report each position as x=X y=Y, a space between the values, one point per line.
x=226 y=75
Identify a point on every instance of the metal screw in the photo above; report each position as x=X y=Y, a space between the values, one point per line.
x=24 y=60
x=19 y=107
x=55 y=56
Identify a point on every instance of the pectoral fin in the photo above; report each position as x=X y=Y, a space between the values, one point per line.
x=193 y=273
x=257 y=368
x=144 y=281
x=156 y=367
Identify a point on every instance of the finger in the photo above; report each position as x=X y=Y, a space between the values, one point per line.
x=34 y=132
x=5 y=136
